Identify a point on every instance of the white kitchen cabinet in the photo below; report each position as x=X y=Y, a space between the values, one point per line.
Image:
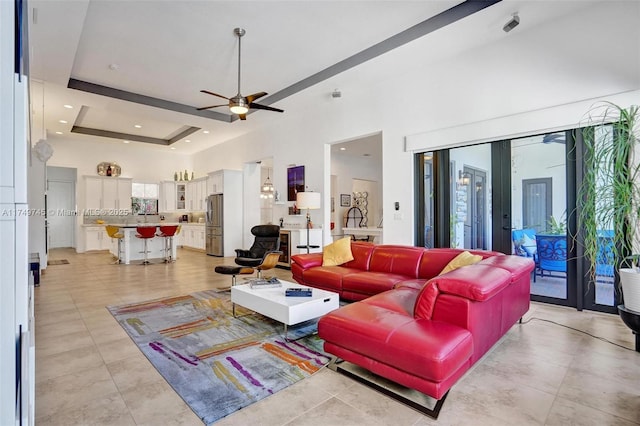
x=181 y=196
x=200 y=242
x=167 y=201
x=215 y=183
x=172 y=196
x=185 y=235
x=108 y=193
x=96 y=238
x=17 y=322
x=204 y=193
x=190 y=195
x=196 y=194
x=193 y=236
x=93 y=193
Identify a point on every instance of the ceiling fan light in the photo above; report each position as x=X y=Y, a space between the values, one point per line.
x=238 y=105
x=238 y=109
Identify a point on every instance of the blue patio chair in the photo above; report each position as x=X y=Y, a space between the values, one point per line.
x=605 y=262
x=552 y=254
x=524 y=244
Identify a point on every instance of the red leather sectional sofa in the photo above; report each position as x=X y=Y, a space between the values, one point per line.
x=411 y=325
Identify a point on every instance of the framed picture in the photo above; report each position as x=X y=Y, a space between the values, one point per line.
x=345 y=200
x=295 y=182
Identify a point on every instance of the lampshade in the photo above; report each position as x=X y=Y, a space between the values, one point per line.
x=308 y=200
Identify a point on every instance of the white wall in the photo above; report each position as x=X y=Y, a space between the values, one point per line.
x=135 y=161
x=36 y=189
x=528 y=81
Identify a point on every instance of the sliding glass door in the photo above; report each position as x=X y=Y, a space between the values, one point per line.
x=539 y=213
x=470 y=200
x=519 y=197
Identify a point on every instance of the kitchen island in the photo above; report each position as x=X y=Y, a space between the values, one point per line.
x=133 y=247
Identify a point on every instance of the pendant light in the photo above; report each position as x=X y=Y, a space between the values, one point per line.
x=267 y=187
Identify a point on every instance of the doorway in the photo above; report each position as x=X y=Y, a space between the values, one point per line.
x=61 y=207
x=356 y=169
x=537 y=201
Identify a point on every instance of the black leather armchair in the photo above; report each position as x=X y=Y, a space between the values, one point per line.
x=267 y=239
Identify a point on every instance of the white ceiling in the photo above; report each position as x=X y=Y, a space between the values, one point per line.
x=170 y=50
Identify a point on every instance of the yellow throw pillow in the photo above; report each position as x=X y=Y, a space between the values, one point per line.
x=463 y=259
x=337 y=253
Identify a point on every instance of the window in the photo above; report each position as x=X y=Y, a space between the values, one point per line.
x=144 y=198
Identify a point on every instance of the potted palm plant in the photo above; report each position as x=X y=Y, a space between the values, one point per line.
x=609 y=195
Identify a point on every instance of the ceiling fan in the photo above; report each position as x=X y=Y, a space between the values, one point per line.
x=241 y=104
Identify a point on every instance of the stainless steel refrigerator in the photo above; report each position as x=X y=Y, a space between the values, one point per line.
x=214 y=225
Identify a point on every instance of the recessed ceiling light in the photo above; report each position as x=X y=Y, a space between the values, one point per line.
x=205 y=131
x=62 y=121
x=137 y=126
x=173 y=147
x=343 y=149
x=114 y=67
x=68 y=106
x=125 y=141
x=187 y=140
x=58 y=133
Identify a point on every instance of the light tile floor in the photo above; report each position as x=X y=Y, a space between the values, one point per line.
x=88 y=371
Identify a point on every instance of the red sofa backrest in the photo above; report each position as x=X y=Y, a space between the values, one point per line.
x=361 y=256
x=435 y=259
x=396 y=259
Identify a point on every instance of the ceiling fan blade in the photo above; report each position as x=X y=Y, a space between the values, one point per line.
x=242 y=116
x=255 y=96
x=213 y=94
x=268 y=108
x=212 y=106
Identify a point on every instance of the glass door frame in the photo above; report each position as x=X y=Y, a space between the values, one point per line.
x=580 y=294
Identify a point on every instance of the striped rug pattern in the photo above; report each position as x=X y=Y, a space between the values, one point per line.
x=215 y=362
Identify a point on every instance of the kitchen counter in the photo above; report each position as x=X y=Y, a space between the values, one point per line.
x=135 y=225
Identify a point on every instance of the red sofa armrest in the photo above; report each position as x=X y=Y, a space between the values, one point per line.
x=307 y=261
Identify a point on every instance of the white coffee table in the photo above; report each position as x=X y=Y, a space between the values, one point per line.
x=272 y=303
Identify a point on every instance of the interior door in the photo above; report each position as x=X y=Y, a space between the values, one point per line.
x=537 y=203
x=61 y=218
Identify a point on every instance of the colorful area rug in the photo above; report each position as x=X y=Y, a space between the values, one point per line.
x=215 y=362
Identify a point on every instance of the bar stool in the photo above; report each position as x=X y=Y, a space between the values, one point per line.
x=167 y=232
x=112 y=231
x=145 y=232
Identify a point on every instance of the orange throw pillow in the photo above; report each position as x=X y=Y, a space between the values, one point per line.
x=337 y=253
x=463 y=259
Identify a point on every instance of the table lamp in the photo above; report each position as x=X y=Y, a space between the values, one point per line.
x=309 y=201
